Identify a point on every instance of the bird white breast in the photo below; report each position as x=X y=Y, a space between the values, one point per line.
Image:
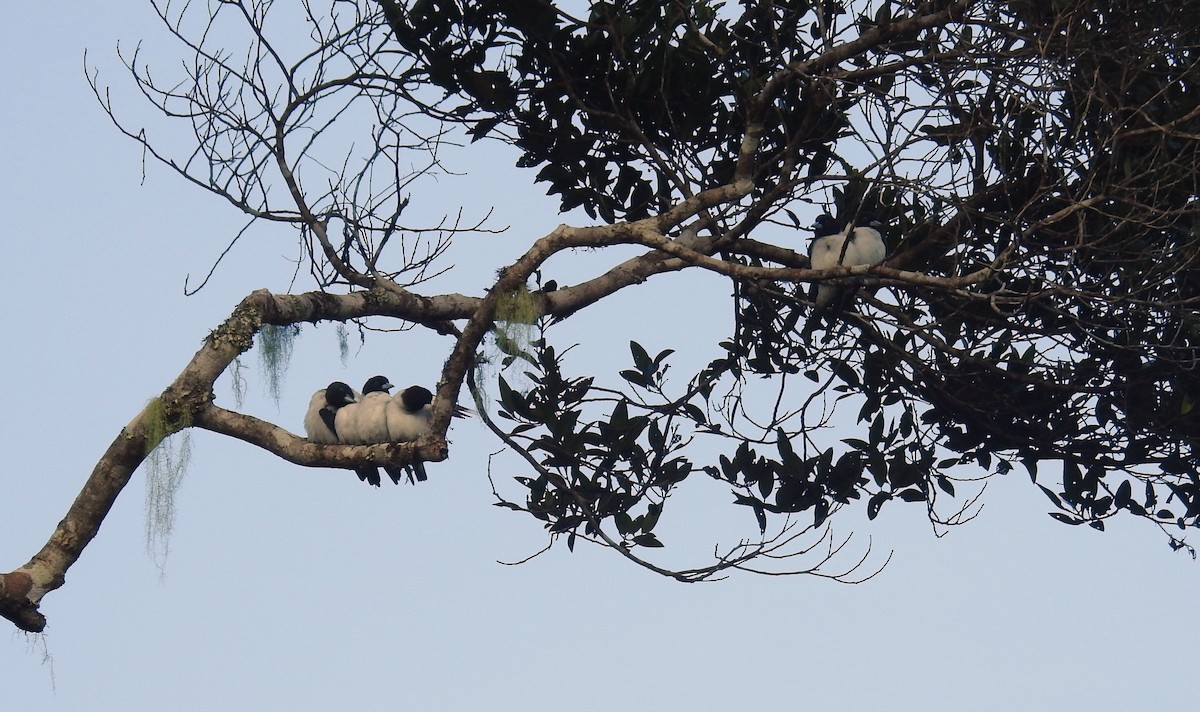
x=403 y=426
x=364 y=422
x=825 y=251
x=315 y=428
x=344 y=422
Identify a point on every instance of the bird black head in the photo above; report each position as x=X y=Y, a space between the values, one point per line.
x=377 y=384
x=415 y=398
x=825 y=225
x=338 y=394
x=866 y=218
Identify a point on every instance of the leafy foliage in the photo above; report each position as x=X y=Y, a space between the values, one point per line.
x=618 y=468
x=1043 y=154
x=635 y=105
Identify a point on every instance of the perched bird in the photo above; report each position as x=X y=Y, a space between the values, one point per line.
x=365 y=422
x=408 y=419
x=319 y=421
x=823 y=252
x=832 y=247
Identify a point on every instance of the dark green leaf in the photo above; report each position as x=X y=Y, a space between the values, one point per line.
x=648 y=540
x=1051 y=496
x=875 y=503
x=1066 y=518
x=641 y=359
x=1124 y=493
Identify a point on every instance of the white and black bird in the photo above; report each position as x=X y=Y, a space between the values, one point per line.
x=320 y=419
x=833 y=246
x=365 y=422
x=408 y=419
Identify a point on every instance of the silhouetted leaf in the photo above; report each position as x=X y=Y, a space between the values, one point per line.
x=875 y=503
x=648 y=540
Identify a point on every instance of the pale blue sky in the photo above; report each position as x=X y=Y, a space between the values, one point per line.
x=297 y=589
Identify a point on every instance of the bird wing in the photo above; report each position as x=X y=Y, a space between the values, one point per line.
x=866 y=247
x=318 y=423
x=823 y=254
x=329 y=419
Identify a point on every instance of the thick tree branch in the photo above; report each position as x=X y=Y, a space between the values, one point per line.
x=299 y=451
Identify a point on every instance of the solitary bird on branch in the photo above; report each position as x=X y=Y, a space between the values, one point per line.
x=834 y=246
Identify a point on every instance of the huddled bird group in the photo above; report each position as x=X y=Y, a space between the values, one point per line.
x=834 y=245
x=337 y=414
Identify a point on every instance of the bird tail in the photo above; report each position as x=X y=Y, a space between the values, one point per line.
x=415 y=473
x=370 y=475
